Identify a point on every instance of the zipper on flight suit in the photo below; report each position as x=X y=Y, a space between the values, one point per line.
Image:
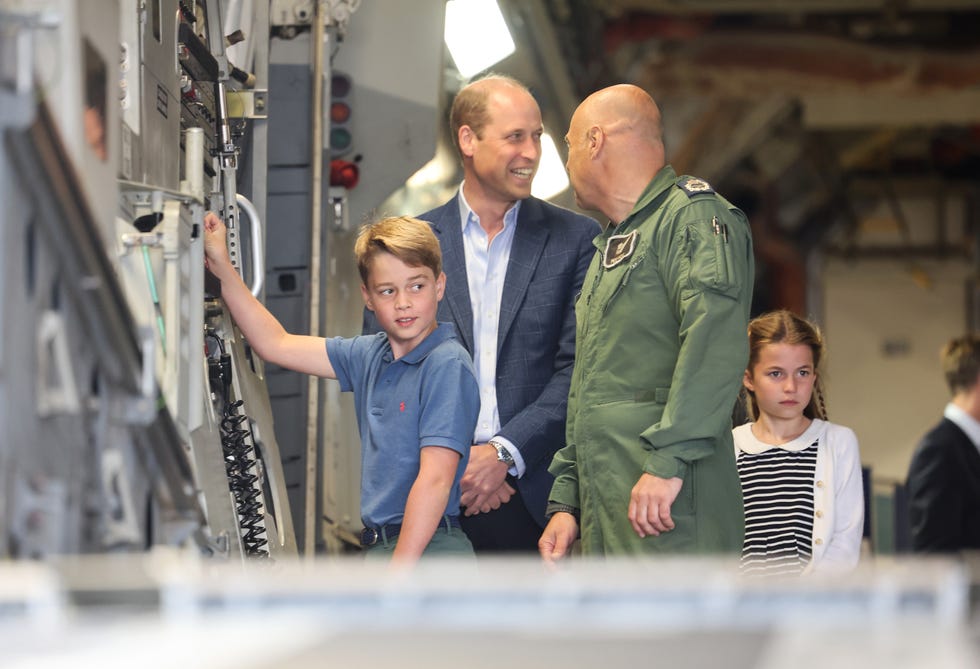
x=588 y=301
x=595 y=284
x=721 y=252
x=622 y=284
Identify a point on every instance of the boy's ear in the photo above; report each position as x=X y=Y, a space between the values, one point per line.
x=367 y=298
x=440 y=286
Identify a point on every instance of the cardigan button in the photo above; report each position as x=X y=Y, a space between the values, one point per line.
x=819 y=513
x=818 y=541
x=819 y=484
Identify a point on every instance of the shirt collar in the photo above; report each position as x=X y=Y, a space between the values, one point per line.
x=465 y=212
x=443 y=332
x=965 y=422
x=813 y=432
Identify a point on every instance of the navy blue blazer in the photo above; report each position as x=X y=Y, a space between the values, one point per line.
x=552 y=250
x=944 y=491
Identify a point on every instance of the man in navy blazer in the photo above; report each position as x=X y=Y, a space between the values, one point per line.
x=514 y=266
x=944 y=475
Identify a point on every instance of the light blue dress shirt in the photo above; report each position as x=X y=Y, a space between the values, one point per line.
x=486 y=268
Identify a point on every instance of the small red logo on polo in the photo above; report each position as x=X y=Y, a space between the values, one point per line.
x=401 y=407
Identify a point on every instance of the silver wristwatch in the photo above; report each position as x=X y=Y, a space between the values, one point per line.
x=503 y=455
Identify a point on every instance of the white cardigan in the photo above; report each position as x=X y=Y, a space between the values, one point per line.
x=838 y=492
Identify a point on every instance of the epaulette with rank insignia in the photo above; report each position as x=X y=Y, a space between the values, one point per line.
x=693 y=186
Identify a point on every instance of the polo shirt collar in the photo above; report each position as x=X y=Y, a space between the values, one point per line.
x=443 y=332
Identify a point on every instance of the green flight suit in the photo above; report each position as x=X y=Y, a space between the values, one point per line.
x=661 y=347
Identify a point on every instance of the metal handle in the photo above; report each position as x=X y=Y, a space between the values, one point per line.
x=258 y=252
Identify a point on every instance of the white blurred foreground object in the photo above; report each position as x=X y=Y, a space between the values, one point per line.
x=170 y=610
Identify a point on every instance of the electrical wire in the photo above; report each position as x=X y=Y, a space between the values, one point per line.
x=151 y=281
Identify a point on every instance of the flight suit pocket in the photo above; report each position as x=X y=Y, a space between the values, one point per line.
x=710 y=249
x=658 y=395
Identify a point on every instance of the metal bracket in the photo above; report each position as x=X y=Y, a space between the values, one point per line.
x=120 y=525
x=337 y=198
x=57 y=392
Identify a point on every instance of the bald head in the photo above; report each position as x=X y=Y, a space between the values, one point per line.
x=615 y=147
x=626 y=109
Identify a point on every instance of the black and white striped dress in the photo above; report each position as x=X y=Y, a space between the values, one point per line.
x=777 y=486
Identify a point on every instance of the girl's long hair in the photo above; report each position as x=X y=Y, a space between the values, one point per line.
x=785 y=327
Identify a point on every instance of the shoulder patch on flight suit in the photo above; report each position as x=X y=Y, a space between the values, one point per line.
x=693 y=186
x=619 y=248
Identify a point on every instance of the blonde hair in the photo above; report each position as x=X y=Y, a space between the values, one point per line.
x=960 y=359
x=785 y=327
x=408 y=239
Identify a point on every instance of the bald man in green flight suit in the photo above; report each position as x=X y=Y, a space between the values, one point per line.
x=661 y=348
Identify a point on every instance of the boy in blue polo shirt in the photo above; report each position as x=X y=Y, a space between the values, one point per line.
x=414 y=386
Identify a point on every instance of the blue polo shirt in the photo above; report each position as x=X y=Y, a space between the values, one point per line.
x=428 y=397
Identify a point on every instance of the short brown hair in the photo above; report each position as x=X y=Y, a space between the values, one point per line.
x=785 y=327
x=961 y=362
x=408 y=239
x=471 y=103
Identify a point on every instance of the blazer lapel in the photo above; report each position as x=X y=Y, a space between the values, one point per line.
x=448 y=229
x=529 y=240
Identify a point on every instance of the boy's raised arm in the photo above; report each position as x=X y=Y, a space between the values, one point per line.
x=264 y=332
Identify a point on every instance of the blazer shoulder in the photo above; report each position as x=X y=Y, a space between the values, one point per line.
x=551 y=215
x=943 y=432
x=945 y=442
x=435 y=216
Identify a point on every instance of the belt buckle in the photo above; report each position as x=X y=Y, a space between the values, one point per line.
x=369 y=536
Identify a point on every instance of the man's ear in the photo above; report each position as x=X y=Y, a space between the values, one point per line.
x=597 y=139
x=367 y=298
x=466 y=138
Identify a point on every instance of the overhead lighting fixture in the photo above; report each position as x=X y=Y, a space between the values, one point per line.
x=477 y=35
x=551 y=178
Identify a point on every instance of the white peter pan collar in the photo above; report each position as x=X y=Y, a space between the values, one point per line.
x=750 y=444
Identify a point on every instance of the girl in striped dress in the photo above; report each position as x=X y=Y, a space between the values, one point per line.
x=801 y=475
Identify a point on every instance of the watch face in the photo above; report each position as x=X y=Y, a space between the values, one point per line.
x=503 y=455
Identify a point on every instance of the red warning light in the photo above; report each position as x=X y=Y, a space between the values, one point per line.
x=344 y=173
x=339 y=112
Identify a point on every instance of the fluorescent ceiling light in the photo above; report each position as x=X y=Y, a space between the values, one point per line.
x=551 y=178
x=476 y=35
